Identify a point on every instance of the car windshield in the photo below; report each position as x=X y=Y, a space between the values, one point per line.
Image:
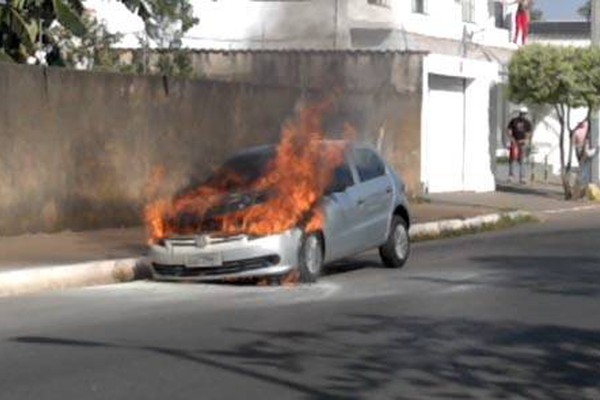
x=243 y=169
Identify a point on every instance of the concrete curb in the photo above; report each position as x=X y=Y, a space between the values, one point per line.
x=104 y=272
x=436 y=229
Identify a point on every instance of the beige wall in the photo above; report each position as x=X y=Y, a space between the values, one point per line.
x=77 y=149
x=382 y=92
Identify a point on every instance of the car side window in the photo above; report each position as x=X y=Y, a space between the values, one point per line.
x=342 y=179
x=368 y=164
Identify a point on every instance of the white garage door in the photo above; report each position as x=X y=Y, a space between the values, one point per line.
x=445 y=134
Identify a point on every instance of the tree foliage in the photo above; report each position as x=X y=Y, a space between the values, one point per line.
x=172 y=19
x=92 y=50
x=537 y=14
x=24 y=25
x=586 y=10
x=49 y=31
x=562 y=77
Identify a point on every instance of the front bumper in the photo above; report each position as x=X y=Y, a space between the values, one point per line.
x=190 y=258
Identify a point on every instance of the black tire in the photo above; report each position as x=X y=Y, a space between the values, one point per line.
x=310 y=258
x=395 y=251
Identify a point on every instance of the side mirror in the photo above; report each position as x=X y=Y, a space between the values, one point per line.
x=336 y=187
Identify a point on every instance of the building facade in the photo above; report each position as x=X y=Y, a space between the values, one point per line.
x=342 y=24
x=465 y=46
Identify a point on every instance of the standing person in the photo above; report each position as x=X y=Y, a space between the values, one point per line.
x=584 y=153
x=519 y=133
x=522 y=18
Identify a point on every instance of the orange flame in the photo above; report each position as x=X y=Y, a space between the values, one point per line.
x=296 y=180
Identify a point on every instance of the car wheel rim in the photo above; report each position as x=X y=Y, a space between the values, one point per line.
x=401 y=241
x=312 y=254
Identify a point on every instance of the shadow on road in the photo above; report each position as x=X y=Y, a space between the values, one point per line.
x=555 y=275
x=366 y=356
x=567 y=276
x=551 y=192
x=351 y=264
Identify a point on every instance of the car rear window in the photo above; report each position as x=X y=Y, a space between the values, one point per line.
x=368 y=164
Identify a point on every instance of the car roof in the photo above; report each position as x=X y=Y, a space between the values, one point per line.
x=272 y=148
x=257 y=150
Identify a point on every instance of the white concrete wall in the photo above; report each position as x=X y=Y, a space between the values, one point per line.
x=241 y=24
x=481 y=75
x=235 y=24
x=444 y=19
x=562 y=41
x=546 y=136
x=272 y=24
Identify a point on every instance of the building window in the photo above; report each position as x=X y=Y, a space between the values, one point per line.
x=419 y=6
x=499 y=20
x=382 y=3
x=468 y=10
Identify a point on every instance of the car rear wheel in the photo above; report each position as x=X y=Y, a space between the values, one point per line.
x=395 y=251
x=310 y=259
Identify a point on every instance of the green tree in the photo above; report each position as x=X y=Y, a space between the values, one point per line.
x=563 y=78
x=24 y=26
x=537 y=14
x=93 y=50
x=28 y=31
x=586 y=10
x=173 y=19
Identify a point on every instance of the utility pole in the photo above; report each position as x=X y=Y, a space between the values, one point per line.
x=336 y=11
x=595 y=30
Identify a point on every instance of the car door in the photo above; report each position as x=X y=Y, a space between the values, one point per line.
x=374 y=196
x=341 y=210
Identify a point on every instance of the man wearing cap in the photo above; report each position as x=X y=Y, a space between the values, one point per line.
x=519 y=133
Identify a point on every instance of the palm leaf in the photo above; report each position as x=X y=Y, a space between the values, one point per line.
x=26 y=32
x=68 y=18
x=5 y=57
x=18 y=4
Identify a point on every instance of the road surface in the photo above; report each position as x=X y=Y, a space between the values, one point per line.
x=510 y=314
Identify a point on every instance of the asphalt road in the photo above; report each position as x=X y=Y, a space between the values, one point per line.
x=511 y=314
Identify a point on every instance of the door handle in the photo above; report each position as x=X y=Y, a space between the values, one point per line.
x=361 y=202
x=388 y=189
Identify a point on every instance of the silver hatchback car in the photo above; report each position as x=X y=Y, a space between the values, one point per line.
x=364 y=208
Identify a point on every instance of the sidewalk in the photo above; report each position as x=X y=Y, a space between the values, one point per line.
x=534 y=198
x=116 y=250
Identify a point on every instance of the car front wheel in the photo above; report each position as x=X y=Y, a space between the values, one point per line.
x=310 y=259
x=394 y=252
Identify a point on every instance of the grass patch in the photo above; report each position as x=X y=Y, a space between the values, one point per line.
x=505 y=222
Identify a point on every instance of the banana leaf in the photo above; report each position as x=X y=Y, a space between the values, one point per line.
x=68 y=18
x=5 y=57
x=26 y=31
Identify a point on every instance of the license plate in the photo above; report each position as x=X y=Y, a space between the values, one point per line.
x=205 y=260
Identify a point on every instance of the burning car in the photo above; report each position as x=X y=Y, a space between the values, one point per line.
x=282 y=211
x=275 y=210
